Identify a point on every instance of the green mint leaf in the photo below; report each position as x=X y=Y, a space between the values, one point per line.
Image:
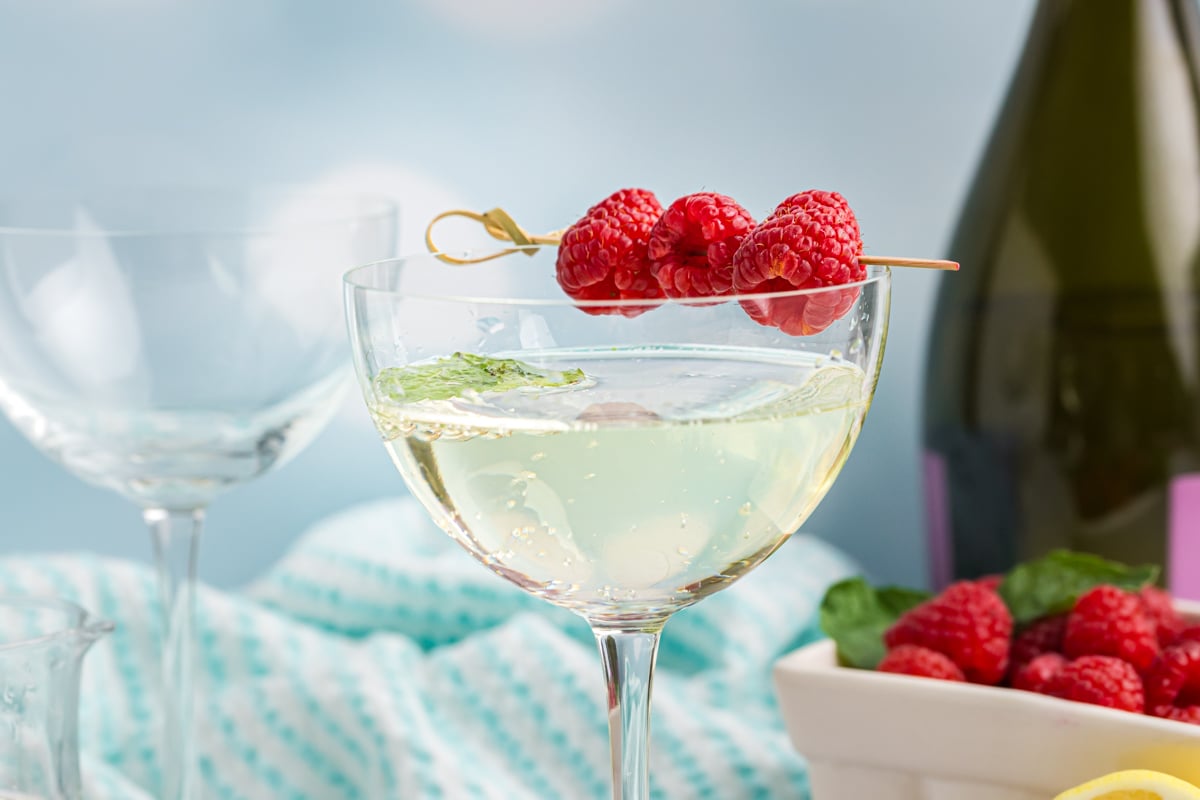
x=465 y=372
x=856 y=615
x=1052 y=584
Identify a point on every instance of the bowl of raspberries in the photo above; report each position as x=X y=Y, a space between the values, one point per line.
x=1010 y=687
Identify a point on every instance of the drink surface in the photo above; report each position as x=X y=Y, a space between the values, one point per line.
x=1061 y=397
x=664 y=476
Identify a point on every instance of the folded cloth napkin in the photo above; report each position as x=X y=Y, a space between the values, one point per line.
x=377 y=660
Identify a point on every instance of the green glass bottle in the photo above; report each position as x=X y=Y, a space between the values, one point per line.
x=1061 y=398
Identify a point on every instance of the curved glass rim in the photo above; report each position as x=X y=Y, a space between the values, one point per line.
x=381 y=206
x=85 y=623
x=875 y=274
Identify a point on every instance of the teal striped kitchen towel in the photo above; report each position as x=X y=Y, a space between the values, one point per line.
x=377 y=660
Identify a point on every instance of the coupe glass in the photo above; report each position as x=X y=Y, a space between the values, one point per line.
x=169 y=344
x=622 y=459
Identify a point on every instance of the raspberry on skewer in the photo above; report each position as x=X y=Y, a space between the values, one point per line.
x=692 y=245
x=810 y=241
x=603 y=255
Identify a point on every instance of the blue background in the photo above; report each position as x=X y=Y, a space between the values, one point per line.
x=540 y=105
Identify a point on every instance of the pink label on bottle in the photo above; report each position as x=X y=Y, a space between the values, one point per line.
x=937 y=509
x=1183 y=537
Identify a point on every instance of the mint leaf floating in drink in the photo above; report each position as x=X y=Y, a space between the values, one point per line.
x=1052 y=584
x=463 y=373
x=855 y=615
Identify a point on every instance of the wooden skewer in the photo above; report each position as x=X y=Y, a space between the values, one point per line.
x=501 y=226
x=919 y=263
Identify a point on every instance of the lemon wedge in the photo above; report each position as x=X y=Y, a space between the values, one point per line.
x=1133 y=784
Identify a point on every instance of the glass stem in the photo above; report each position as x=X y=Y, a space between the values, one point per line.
x=176 y=534
x=628 y=653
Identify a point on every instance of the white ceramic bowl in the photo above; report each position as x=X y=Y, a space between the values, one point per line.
x=874 y=736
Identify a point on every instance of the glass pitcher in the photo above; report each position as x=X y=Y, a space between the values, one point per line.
x=42 y=645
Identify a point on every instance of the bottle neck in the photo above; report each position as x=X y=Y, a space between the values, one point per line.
x=1094 y=154
x=1114 y=23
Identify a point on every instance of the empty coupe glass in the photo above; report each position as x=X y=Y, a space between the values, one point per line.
x=169 y=344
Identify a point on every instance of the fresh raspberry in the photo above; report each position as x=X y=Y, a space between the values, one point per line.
x=828 y=208
x=1173 y=683
x=692 y=245
x=603 y=255
x=968 y=623
x=1043 y=636
x=1189 y=634
x=909 y=659
x=1099 y=680
x=1108 y=621
x=799 y=251
x=1160 y=609
x=1036 y=674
